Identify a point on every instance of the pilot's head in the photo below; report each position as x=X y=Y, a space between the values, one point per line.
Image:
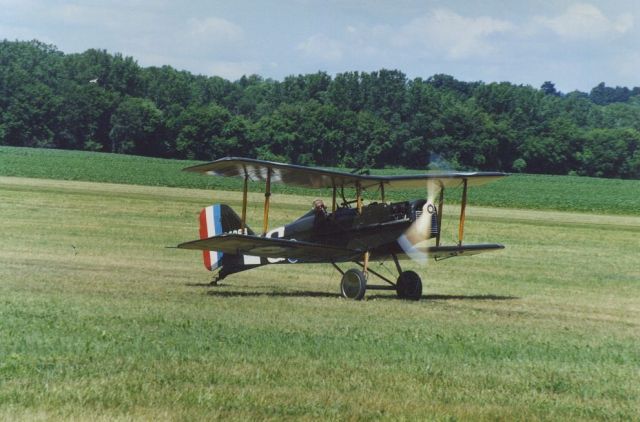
x=318 y=205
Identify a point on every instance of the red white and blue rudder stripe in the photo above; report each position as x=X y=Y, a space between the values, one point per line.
x=211 y=225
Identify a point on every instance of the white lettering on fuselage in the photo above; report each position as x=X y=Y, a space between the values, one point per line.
x=277 y=233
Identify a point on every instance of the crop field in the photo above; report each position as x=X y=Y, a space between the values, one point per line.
x=565 y=193
x=100 y=321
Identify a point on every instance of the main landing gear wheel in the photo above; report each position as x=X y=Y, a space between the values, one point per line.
x=353 y=284
x=409 y=286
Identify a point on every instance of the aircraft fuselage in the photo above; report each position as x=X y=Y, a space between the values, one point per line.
x=376 y=228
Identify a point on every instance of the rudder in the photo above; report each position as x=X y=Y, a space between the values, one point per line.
x=216 y=220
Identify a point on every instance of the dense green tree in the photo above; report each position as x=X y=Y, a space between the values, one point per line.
x=620 y=116
x=452 y=85
x=549 y=88
x=345 y=91
x=200 y=133
x=578 y=108
x=86 y=122
x=384 y=92
x=603 y=95
x=255 y=99
x=166 y=86
x=610 y=153
x=370 y=142
x=216 y=90
x=135 y=124
x=29 y=103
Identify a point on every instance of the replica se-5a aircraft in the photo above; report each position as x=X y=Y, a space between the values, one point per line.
x=349 y=232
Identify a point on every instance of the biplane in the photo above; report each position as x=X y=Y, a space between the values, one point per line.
x=350 y=231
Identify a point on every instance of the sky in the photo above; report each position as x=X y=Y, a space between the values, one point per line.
x=574 y=44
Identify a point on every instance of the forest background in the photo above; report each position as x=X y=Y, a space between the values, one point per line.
x=98 y=101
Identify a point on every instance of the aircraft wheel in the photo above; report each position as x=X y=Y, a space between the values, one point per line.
x=409 y=286
x=353 y=284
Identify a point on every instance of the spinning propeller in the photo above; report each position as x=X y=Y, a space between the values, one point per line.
x=419 y=232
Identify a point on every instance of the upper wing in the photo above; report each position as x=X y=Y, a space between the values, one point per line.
x=238 y=244
x=311 y=177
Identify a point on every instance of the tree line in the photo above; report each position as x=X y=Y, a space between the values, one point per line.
x=99 y=101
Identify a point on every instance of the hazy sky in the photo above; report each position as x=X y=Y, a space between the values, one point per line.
x=572 y=43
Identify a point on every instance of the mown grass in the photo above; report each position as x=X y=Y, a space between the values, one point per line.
x=98 y=320
x=568 y=193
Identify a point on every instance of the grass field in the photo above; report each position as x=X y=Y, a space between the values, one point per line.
x=98 y=320
x=566 y=193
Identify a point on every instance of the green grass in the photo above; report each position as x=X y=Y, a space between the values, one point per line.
x=98 y=320
x=568 y=193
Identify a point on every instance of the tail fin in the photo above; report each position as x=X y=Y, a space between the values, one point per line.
x=215 y=220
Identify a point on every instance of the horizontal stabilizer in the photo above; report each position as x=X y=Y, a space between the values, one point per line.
x=266 y=247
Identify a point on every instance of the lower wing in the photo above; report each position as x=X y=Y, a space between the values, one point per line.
x=266 y=247
x=442 y=252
